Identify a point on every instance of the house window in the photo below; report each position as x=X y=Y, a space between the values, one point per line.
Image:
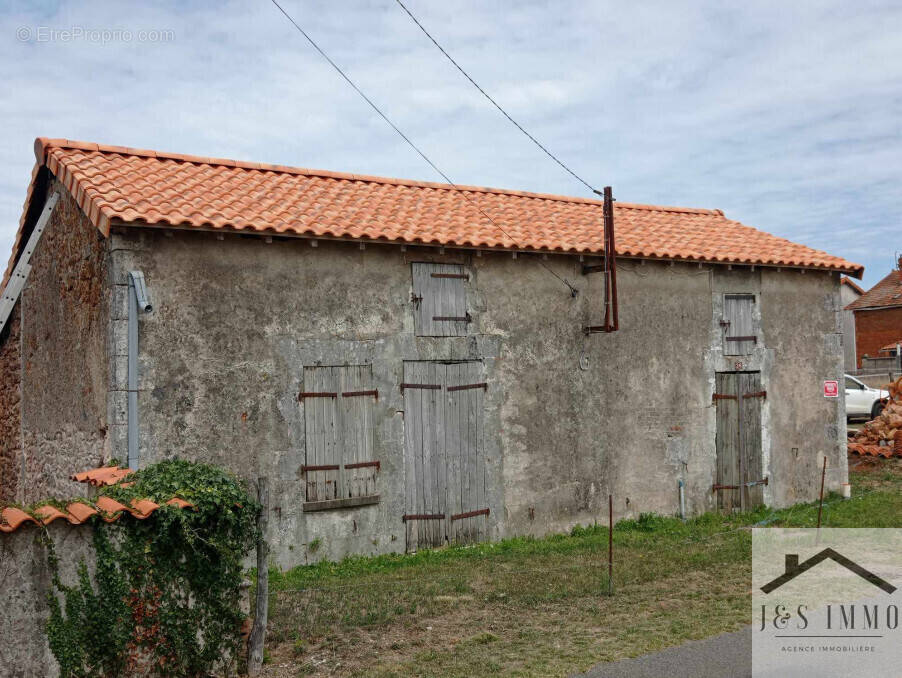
x=339 y=467
x=740 y=324
x=440 y=300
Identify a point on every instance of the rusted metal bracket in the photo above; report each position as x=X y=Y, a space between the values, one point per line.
x=752 y=483
x=756 y=394
x=456 y=276
x=470 y=514
x=460 y=319
x=354 y=394
x=316 y=394
x=484 y=386
x=422 y=516
x=322 y=467
x=364 y=464
x=431 y=387
x=723 y=396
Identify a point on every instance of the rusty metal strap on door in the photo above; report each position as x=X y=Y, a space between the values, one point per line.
x=751 y=483
x=756 y=394
x=484 y=386
x=322 y=467
x=723 y=396
x=316 y=394
x=470 y=514
x=422 y=516
x=749 y=338
x=454 y=318
x=364 y=464
x=431 y=387
x=354 y=394
x=456 y=276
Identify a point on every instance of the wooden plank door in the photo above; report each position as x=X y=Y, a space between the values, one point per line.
x=464 y=397
x=738 y=398
x=740 y=335
x=426 y=512
x=443 y=453
x=750 y=432
x=323 y=432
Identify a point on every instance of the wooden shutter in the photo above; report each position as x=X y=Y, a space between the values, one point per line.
x=322 y=464
x=338 y=417
x=440 y=300
x=740 y=328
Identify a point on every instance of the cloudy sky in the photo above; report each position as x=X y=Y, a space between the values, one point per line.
x=784 y=115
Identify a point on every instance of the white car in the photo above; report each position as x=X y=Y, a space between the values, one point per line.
x=863 y=401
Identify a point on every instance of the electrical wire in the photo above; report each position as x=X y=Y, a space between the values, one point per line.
x=573 y=290
x=496 y=104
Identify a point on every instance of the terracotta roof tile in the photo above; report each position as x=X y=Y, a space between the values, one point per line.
x=77 y=512
x=113 y=183
x=99 y=477
x=886 y=293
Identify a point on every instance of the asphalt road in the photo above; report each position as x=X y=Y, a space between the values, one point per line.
x=728 y=655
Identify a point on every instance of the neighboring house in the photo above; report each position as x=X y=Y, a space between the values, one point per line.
x=402 y=370
x=849 y=291
x=878 y=315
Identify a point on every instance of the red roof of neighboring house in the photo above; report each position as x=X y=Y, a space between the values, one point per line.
x=892 y=346
x=118 y=184
x=846 y=280
x=886 y=293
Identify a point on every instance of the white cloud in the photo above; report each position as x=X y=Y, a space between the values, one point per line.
x=785 y=115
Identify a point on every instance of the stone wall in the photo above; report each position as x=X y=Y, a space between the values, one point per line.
x=569 y=417
x=10 y=407
x=65 y=319
x=24 y=652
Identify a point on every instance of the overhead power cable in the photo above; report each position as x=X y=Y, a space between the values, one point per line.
x=496 y=104
x=410 y=143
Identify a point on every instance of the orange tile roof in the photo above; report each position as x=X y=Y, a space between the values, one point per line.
x=77 y=512
x=99 y=477
x=886 y=293
x=892 y=346
x=114 y=184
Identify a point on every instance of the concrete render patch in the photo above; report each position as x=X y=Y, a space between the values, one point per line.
x=728 y=655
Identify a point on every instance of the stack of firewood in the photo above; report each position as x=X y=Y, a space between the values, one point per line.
x=882 y=436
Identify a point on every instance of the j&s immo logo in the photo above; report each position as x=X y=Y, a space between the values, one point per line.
x=819 y=610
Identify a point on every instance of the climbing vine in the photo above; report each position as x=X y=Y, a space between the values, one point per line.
x=164 y=595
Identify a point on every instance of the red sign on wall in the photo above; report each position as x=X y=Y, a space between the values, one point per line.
x=831 y=388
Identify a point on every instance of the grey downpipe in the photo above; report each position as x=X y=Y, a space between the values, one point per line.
x=682 y=500
x=138 y=300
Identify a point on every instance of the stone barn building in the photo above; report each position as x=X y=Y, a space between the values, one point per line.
x=405 y=371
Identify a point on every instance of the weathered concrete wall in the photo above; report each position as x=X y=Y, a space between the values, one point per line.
x=24 y=652
x=11 y=406
x=64 y=310
x=802 y=321
x=569 y=417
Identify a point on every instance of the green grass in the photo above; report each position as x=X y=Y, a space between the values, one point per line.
x=537 y=607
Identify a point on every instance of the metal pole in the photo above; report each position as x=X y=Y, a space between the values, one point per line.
x=610 y=545
x=258 y=631
x=820 y=506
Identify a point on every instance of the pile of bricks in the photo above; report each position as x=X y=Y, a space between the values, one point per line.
x=882 y=437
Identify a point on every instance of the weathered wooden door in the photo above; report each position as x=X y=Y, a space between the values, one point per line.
x=739 y=481
x=443 y=453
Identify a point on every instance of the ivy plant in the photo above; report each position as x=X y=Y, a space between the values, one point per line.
x=164 y=596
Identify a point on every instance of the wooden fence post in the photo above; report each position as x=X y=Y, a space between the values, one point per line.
x=258 y=632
